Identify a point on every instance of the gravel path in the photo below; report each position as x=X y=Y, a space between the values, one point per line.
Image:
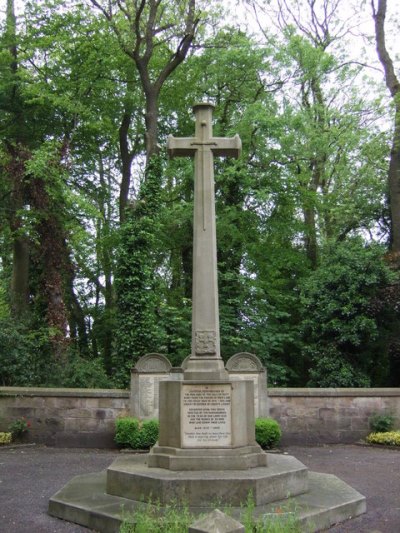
x=30 y=475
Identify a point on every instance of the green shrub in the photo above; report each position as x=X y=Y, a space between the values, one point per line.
x=381 y=423
x=388 y=438
x=268 y=432
x=131 y=433
x=126 y=432
x=19 y=427
x=5 y=438
x=148 y=433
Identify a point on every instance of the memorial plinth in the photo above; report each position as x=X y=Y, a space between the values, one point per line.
x=207 y=426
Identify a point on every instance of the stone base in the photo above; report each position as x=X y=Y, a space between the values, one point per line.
x=285 y=476
x=241 y=458
x=86 y=500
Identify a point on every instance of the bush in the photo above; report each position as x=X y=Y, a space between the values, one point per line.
x=268 y=432
x=5 y=438
x=345 y=337
x=130 y=433
x=19 y=427
x=381 y=423
x=389 y=438
x=126 y=431
x=148 y=434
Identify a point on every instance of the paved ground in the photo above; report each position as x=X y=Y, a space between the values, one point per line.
x=30 y=475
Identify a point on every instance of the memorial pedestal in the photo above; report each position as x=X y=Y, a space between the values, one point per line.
x=101 y=501
x=207 y=426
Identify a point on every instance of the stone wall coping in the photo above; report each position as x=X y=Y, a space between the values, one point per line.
x=64 y=392
x=276 y=392
x=334 y=392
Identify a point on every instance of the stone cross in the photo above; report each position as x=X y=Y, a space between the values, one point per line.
x=205 y=360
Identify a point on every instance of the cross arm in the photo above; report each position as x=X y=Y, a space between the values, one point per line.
x=180 y=146
x=227 y=146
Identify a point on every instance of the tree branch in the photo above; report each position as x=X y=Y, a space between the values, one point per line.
x=379 y=16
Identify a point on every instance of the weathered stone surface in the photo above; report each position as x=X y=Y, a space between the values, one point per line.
x=145 y=378
x=205 y=361
x=242 y=366
x=84 y=500
x=246 y=365
x=205 y=416
x=216 y=522
x=283 y=476
x=302 y=426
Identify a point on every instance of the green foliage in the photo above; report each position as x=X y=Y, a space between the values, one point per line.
x=281 y=519
x=132 y=433
x=329 y=369
x=136 y=286
x=312 y=170
x=342 y=337
x=135 y=434
x=5 y=438
x=126 y=431
x=389 y=438
x=380 y=423
x=84 y=373
x=19 y=427
x=177 y=519
x=268 y=432
x=148 y=434
x=23 y=352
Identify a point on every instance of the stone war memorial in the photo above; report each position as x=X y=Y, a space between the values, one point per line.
x=206 y=455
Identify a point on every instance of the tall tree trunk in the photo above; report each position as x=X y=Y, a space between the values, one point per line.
x=310 y=239
x=127 y=153
x=52 y=254
x=20 y=245
x=16 y=172
x=151 y=123
x=393 y=85
x=126 y=162
x=106 y=268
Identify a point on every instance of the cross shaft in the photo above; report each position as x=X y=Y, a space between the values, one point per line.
x=205 y=360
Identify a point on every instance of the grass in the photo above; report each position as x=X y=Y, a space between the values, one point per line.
x=177 y=519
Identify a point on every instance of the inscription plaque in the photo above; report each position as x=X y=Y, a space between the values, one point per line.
x=206 y=415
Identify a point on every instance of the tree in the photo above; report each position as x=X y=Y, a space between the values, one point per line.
x=393 y=84
x=343 y=334
x=108 y=224
x=147 y=37
x=138 y=331
x=16 y=154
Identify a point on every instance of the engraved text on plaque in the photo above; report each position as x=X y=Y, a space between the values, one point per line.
x=206 y=415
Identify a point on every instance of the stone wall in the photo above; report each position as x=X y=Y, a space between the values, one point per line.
x=319 y=416
x=85 y=417
x=65 y=417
